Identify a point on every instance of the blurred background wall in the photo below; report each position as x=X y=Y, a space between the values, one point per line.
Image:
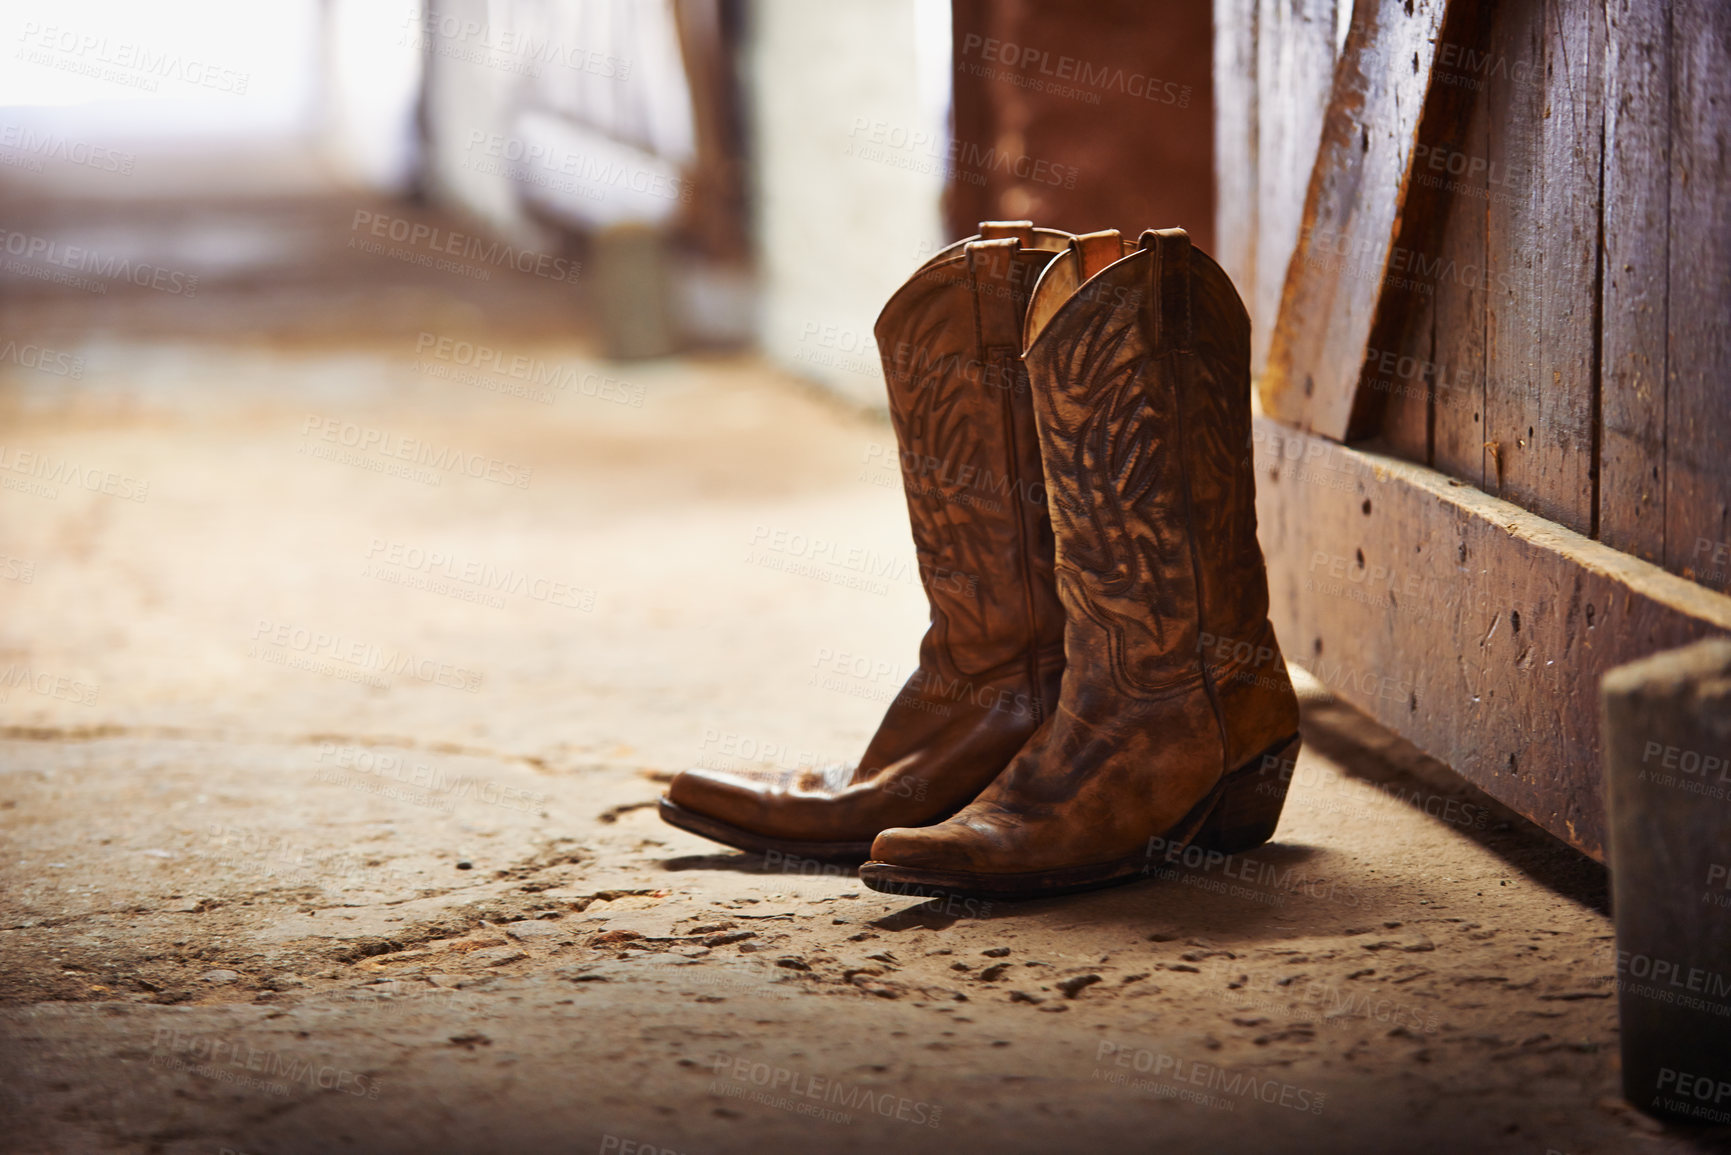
x=1110 y=103
x=723 y=173
x=849 y=109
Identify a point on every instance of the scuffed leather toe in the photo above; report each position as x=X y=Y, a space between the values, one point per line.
x=719 y=795
x=949 y=845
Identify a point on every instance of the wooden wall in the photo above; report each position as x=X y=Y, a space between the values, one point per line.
x=1507 y=277
x=1559 y=338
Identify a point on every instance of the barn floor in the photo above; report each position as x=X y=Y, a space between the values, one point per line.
x=327 y=790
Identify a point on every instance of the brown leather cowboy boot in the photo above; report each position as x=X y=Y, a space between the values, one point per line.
x=951 y=341
x=1176 y=712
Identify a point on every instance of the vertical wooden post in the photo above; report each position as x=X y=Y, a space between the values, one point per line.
x=1667 y=723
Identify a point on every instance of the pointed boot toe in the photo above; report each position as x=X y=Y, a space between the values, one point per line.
x=717 y=793
x=757 y=816
x=943 y=847
x=956 y=857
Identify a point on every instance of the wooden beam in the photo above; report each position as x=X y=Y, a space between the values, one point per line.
x=1352 y=215
x=1471 y=627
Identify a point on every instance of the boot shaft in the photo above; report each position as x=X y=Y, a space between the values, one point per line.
x=963 y=414
x=1141 y=380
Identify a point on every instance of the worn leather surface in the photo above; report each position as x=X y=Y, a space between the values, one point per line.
x=1173 y=677
x=991 y=659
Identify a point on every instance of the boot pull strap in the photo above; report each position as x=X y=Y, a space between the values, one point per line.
x=1168 y=307
x=992 y=266
x=999 y=230
x=1094 y=251
x=1086 y=255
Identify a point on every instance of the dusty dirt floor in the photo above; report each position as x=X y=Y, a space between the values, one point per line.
x=328 y=788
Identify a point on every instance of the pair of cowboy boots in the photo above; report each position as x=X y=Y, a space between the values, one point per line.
x=1073 y=415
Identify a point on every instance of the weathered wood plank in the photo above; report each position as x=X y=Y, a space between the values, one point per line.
x=1295 y=66
x=1352 y=215
x=1407 y=376
x=1235 y=142
x=1698 y=359
x=1553 y=471
x=1470 y=626
x=1399 y=376
x=1545 y=103
x=1637 y=264
x=1514 y=100
x=1458 y=442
